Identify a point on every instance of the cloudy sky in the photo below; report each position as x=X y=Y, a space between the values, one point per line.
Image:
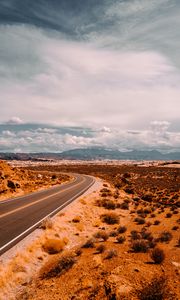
x=80 y=73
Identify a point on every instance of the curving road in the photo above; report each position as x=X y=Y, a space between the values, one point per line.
x=20 y=216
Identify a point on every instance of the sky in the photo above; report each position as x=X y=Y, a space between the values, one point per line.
x=76 y=73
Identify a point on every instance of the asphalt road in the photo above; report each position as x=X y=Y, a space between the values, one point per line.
x=20 y=216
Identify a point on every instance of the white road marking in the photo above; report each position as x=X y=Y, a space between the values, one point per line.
x=52 y=213
x=37 y=201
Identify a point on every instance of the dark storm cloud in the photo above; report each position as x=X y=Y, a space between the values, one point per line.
x=67 y=16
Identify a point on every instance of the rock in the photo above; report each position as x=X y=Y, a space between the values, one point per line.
x=11 y=184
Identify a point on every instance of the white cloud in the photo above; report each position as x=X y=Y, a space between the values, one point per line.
x=79 y=84
x=157 y=136
x=14 y=120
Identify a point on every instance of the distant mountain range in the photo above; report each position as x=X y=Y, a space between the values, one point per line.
x=94 y=154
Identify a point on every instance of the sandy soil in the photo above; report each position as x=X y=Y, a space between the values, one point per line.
x=81 y=256
x=17 y=181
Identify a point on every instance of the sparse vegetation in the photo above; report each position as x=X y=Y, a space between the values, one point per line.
x=111 y=253
x=139 y=246
x=102 y=235
x=157 y=222
x=106 y=203
x=121 y=229
x=61 y=266
x=53 y=246
x=165 y=236
x=140 y=221
x=94 y=273
x=100 y=248
x=76 y=219
x=89 y=243
x=155 y=290
x=46 y=224
x=124 y=206
x=157 y=255
x=110 y=218
x=135 y=235
x=120 y=239
x=168 y=215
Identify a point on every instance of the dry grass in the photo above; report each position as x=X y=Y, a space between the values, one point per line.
x=110 y=218
x=157 y=289
x=157 y=255
x=139 y=246
x=76 y=219
x=111 y=253
x=53 y=246
x=59 y=267
x=46 y=224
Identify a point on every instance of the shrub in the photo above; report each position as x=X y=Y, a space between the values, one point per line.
x=104 y=194
x=139 y=246
x=152 y=243
x=168 y=215
x=147 y=211
x=46 y=224
x=121 y=229
x=120 y=239
x=175 y=227
x=117 y=185
x=53 y=246
x=76 y=219
x=165 y=236
x=124 y=206
x=113 y=233
x=101 y=235
x=116 y=196
x=11 y=184
x=147 y=197
x=136 y=198
x=126 y=175
x=140 y=221
x=129 y=190
x=135 y=235
x=64 y=264
x=157 y=255
x=146 y=235
x=110 y=218
x=148 y=224
x=101 y=248
x=106 y=203
x=105 y=185
x=105 y=190
x=89 y=243
x=111 y=253
x=78 y=251
x=157 y=222
x=155 y=290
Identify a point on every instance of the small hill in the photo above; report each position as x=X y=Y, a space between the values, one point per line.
x=18 y=181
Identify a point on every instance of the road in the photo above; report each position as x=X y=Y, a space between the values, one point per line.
x=20 y=216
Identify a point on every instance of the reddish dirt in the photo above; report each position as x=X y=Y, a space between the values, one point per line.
x=149 y=194
x=18 y=181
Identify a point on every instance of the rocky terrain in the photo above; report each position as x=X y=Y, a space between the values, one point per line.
x=17 y=181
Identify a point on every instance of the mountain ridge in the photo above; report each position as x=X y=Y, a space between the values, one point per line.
x=94 y=154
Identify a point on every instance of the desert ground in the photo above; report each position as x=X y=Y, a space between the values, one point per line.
x=119 y=241
x=18 y=181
